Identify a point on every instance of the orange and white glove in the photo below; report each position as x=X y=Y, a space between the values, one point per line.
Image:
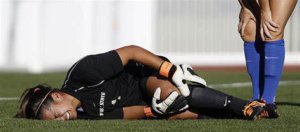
x=191 y=76
x=175 y=74
x=179 y=74
x=174 y=103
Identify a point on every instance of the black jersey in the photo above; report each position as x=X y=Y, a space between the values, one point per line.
x=104 y=86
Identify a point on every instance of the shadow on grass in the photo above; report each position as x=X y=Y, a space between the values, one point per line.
x=288 y=103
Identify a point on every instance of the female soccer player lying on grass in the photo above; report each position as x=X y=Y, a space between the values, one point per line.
x=119 y=84
x=261 y=26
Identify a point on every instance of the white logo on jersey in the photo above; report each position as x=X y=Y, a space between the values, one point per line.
x=101 y=104
x=113 y=102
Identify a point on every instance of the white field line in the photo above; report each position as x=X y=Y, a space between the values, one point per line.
x=8 y=98
x=228 y=85
x=248 y=84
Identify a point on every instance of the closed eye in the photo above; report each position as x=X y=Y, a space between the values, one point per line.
x=61 y=117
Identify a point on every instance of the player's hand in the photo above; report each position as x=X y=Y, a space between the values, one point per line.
x=267 y=25
x=172 y=104
x=176 y=75
x=190 y=75
x=179 y=74
x=245 y=17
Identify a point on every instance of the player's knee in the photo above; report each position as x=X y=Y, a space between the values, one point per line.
x=249 y=33
x=166 y=92
x=167 y=89
x=277 y=35
x=197 y=94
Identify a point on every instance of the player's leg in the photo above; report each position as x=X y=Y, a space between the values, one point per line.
x=252 y=48
x=202 y=99
x=253 y=54
x=209 y=99
x=274 y=50
x=281 y=11
x=167 y=88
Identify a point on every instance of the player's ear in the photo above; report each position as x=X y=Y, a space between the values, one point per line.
x=56 y=96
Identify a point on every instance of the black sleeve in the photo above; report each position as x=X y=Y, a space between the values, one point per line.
x=107 y=64
x=93 y=69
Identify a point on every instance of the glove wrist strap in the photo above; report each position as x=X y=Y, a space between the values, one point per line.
x=148 y=112
x=167 y=69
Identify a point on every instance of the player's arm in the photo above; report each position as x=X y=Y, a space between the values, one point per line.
x=245 y=4
x=171 y=104
x=166 y=100
x=264 y=5
x=139 y=54
x=173 y=107
x=173 y=72
x=245 y=16
x=242 y=3
x=133 y=112
x=137 y=112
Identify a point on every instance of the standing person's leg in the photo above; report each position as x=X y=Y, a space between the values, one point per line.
x=274 y=47
x=248 y=28
x=274 y=51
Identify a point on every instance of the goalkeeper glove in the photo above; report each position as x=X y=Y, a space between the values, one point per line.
x=174 y=103
x=175 y=74
x=179 y=74
x=190 y=75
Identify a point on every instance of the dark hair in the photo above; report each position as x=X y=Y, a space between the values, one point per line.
x=33 y=100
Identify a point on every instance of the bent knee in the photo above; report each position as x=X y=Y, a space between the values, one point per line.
x=276 y=35
x=249 y=33
x=166 y=87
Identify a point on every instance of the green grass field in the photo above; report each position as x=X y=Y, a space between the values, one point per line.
x=13 y=84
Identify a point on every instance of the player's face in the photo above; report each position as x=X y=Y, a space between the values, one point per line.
x=59 y=111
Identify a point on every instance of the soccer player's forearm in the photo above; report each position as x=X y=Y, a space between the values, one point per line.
x=133 y=112
x=244 y=3
x=264 y=5
x=241 y=3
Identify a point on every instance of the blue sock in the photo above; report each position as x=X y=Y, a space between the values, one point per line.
x=252 y=56
x=274 y=59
